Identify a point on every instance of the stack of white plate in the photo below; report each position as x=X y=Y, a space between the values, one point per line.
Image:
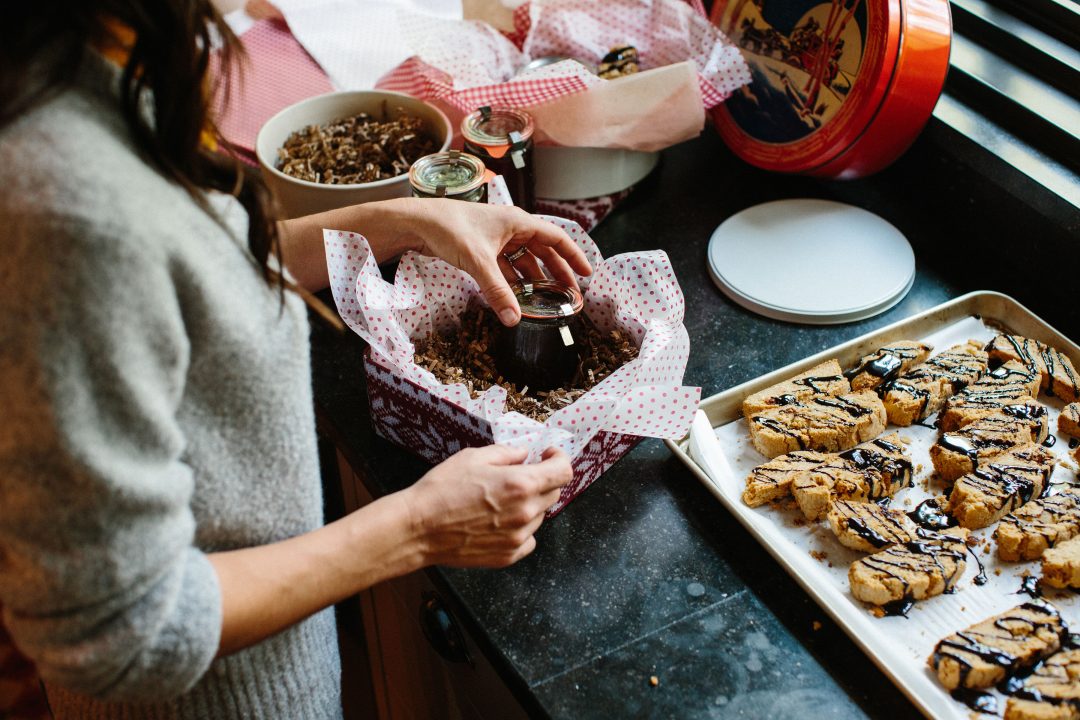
x=811 y=261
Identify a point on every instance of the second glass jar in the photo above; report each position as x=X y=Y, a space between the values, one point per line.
x=502 y=138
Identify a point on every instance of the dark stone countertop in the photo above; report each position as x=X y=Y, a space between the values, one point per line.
x=645 y=573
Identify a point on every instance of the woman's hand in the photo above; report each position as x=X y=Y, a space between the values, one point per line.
x=481 y=507
x=476 y=238
x=471 y=236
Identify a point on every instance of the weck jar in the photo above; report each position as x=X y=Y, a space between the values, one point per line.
x=452 y=174
x=542 y=351
x=502 y=138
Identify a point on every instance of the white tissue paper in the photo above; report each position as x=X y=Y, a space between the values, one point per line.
x=634 y=292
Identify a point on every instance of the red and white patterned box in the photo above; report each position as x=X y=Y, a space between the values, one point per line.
x=635 y=293
x=408 y=415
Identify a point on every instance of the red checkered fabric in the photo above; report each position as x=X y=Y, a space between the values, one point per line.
x=416 y=77
x=720 y=66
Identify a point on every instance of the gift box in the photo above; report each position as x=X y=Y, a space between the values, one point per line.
x=635 y=293
x=407 y=414
x=687 y=66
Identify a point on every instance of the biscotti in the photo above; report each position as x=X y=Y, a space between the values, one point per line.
x=910 y=571
x=989 y=651
x=823 y=379
x=887 y=362
x=822 y=422
x=1027 y=532
x=772 y=480
x=1051 y=692
x=1009 y=385
x=1058 y=375
x=1061 y=565
x=962 y=451
x=918 y=393
x=871 y=471
x=1001 y=485
x=868 y=527
x=1069 y=420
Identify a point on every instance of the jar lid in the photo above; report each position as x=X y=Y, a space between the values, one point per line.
x=492 y=126
x=839 y=89
x=447 y=173
x=545 y=299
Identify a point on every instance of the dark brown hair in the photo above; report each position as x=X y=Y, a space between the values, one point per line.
x=169 y=61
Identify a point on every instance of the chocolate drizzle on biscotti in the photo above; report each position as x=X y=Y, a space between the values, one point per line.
x=929 y=515
x=1013 y=641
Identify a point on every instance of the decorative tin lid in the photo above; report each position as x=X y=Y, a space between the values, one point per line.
x=840 y=87
x=447 y=173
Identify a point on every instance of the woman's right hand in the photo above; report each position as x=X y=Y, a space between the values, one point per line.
x=481 y=507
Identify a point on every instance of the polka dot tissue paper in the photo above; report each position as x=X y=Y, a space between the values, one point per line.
x=636 y=293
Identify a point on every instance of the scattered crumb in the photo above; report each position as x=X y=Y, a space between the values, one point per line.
x=971 y=541
x=905 y=439
x=877 y=612
x=907 y=502
x=654 y=681
x=997 y=571
x=830 y=563
x=818 y=555
x=816 y=625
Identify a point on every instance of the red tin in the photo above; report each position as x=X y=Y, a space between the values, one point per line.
x=840 y=89
x=408 y=415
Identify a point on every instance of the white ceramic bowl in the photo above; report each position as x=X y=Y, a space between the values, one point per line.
x=300 y=197
x=570 y=173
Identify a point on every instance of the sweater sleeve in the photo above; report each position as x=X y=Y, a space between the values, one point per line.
x=100 y=581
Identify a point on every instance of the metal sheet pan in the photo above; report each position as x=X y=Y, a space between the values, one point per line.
x=996 y=311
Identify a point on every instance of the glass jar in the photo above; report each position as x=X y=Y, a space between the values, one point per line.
x=542 y=351
x=452 y=174
x=502 y=138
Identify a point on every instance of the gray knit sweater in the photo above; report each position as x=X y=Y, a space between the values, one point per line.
x=155 y=405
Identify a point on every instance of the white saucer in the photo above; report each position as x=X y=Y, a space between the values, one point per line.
x=811 y=261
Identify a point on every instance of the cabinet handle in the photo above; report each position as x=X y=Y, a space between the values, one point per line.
x=441 y=630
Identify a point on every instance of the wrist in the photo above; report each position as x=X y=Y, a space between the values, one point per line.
x=398 y=221
x=411 y=527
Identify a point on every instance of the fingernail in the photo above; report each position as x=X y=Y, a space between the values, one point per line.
x=508 y=316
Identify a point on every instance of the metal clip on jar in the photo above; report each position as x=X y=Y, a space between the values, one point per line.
x=452 y=174
x=502 y=138
x=541 y=352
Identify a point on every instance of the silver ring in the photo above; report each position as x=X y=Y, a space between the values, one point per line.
x=516 y=255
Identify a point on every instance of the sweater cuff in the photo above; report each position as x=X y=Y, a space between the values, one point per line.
x=178 y=651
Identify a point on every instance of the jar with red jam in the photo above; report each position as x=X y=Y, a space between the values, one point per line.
x=542 y=351
x=502 y=138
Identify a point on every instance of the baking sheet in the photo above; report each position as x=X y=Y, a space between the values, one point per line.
x=723 y=456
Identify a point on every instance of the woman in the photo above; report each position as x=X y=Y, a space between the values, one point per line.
x=160 y=548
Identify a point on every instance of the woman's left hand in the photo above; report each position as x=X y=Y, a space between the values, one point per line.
x=474 y=237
